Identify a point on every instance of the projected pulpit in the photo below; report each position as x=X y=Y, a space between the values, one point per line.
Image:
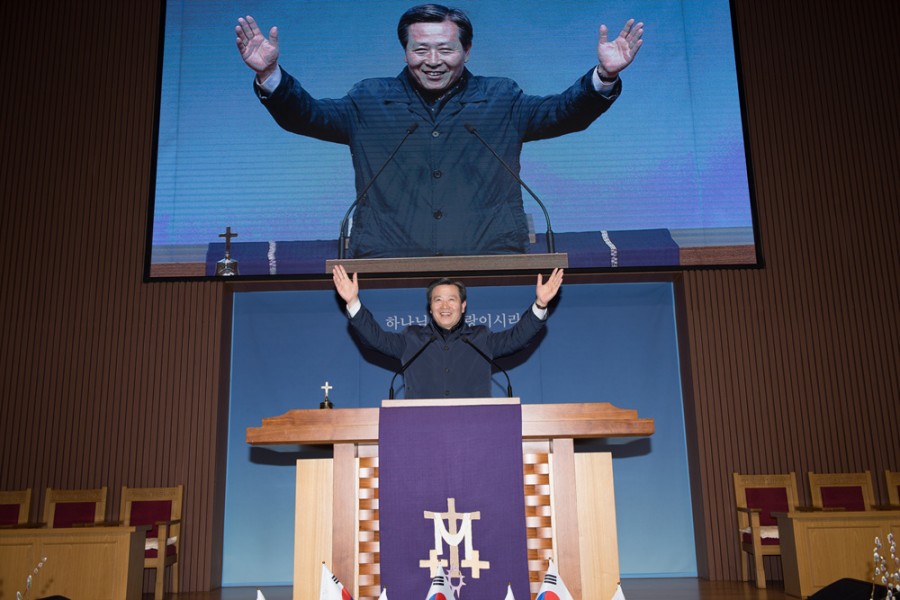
x=568 y=498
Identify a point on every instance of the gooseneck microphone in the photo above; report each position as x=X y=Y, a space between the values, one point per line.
x=407 y=363
x=551 y=246
x=342 y=235
x=491 y=360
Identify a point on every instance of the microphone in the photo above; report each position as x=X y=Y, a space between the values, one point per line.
x=491 y=360
x=407 y=363
x=551 y=246
x=342 y=235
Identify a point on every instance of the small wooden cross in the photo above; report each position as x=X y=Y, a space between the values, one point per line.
x=228 y=235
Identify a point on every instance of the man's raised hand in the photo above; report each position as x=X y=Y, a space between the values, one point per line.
x=545 y=292
x=617 y=54
x=347 y=288
x=259 y=53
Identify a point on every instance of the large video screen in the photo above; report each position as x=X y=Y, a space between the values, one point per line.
x=660 y=180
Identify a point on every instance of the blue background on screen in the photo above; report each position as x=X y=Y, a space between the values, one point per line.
x=668 y=154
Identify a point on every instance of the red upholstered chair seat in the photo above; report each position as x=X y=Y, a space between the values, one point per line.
x=846 y=497
x=9 y=514
x=67 y=508
x=756 y=498
x=768 y=500
x=171 y=550
x=160 y=508
x=842 y=491
x=15 y=506
x=150 y=512
x=892 y=480
x=767 y=540
x=69 y=514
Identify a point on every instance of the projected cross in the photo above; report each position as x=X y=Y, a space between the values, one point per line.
x=228 y=235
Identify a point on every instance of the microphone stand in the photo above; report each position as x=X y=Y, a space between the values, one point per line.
x=406 y=365
x=342 y=235
x=491 y=360
x=551 y=245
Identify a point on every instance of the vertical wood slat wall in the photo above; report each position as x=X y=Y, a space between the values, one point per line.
x=795 y=367
x=105 y=380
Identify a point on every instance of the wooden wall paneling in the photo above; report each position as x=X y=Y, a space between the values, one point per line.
x=817 y=374
x=103 y=364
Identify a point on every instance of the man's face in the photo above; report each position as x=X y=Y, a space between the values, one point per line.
x=446 y=307
x=435 y=56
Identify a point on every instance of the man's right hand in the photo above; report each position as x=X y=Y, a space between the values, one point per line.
x=257 y=52
x=347 y=288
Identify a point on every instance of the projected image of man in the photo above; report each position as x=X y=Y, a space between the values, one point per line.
x=443 y=193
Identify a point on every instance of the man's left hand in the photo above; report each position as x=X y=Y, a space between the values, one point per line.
x=545 y=292
x=617 y=54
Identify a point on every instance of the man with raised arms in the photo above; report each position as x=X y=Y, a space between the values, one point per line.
x=443 y=193
x=448 y=364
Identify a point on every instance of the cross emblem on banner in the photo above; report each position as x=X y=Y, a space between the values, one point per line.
x=457 y=530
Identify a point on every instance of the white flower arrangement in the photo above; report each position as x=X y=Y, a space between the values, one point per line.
x=889 y=579
x=30 y=579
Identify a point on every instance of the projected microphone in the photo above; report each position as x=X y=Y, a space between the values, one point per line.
x=342 y=235
x=551 y=246
x=491 y=360
x=407 y=363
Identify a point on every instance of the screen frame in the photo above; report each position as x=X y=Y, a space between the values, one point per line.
x=150 y=274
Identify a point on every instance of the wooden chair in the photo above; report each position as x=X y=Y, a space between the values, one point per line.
x=756 y=498
x=15 y=507
x=846 y=491
x=892 y=479
x=160 y=507
x=70 y=508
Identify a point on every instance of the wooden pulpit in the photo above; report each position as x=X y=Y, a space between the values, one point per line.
x=569 y=497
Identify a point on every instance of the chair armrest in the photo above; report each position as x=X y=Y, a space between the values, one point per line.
x=753 y=514
x=98 y=524
x=163 y=529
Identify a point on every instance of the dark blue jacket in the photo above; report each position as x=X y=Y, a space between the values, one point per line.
x=448 y=367
x=444 y=193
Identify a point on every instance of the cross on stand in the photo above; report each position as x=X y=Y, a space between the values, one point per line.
x=227 y=267
x=326 y=403
x=228 y=235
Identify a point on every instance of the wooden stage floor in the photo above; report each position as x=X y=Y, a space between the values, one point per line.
x=635 y=589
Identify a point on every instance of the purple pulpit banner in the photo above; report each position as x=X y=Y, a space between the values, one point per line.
x=452 y=475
